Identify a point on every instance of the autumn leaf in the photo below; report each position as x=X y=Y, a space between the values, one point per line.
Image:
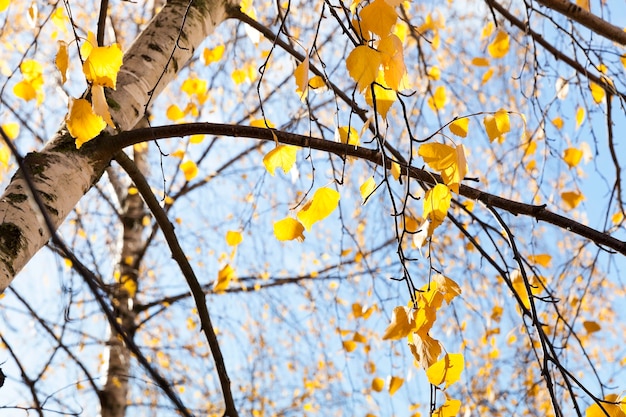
x=424 y=348
x=394 y=384
x=580 y=116
x=499 y=47
x=449 y=409
x=224 y=278
x=497 y=125
x=436 y=204
x=438 y=99
x=82 y=123
x=362 y=64
x=591 y=326
x=31 y=86
x=301 y=75
x=542 y=259
x=377 y=17
x=174 y=113
x=213 y=55
x=396 y=170
x=349 y=345
x=517 y=280
x=233 y=238
x=367 y=188
x=447 y=369
x=394 y=69
x=103 y=64
x=597 y=92
x=447 y=287
x=289 y=229
x=480 y=62
x=324 y=202
x=459 y=127
x=447 y=160
x=100 y=106
x=62 y=60
x=190 y=169
x=385 y=96
x=348 y=135
x=401 y=324
x=572 y=198
x=617 y=409
x=378 y=384
x=282 y=156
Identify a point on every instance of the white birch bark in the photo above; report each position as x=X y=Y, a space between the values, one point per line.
x=62 y=175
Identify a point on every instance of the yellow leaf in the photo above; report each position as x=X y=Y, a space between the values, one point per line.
x=362 y=64
x=558 y=123
x=448 y=160
x=233 y=238
x=4 y=4
x=282 y=156
x=129 y=285
x=195 y=139
x=301 y=75
x=591 y=326
x=100 y=106
x=612 y=410
x=178 y=153
x=394 y=69
x=174 y=113
x=424 y=348
x=103 y=64
x=359 y=338
x=446 y=286
x=317 y=82
x=436 y=205
x=572 y=198
x=62 y=60
x=584 y=4
x=224 y=277
x=497 y=125
x=238 y=76
x=572 y=156
x=617 y=218
x=378 y=384
x=385 y=96
x=289 y=229
x=542 y=259
x=348 y=135
x=196 y=86
x=480 y=62
x=24 y=90
x=213 y=55
x=459 y=127
x=262 y=123
x=449 y=409
x=447 y=369
x=486 y=76
x=396 y=171
x=324 y=202
x=88 y=45
x=597 y=92
x=11 y=129
x=349 y=345
x=394 y=384
x=367 y=188
x=438 y=100
x=499 y=47
x=5 y=155
x=190 y=169
x=517 y=280
x=82 y=123
x=378 y=17
x=580 y=116
x=401 y=324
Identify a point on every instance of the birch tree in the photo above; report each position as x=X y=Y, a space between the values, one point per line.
x=323 y=177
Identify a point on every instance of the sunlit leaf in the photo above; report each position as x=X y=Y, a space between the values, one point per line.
x=597 y=92
x=572 y=198
x=459 y=127
x=282 y=156
x=88 y=45
x=424 y=348
x=580 y=116
x=446 y=159
x=190 y=169
x=497 y=125
x=224 y=278
x=558 y=123
x=385 y=96
x=572 y=156
x=195 y=139
x=378 y=17
x=449 y=409
x=438 y=99
x=499 y=47
x=362 y=64
x=541 y=259
x=233 y=238
x=317 y=82
x=394 y=384
x=103 y=64
x=262 y=123
x=612 y=410
x=82 y=123
x=401 y=324
x=323 y=203
x=396 y=171
x=447 y=369
x=591 y=326
x=25 y=90
x=62 y=60
x=348 y=135
x=480 y=62
x=239 y=76
x=349 y=345
x=517 y=280
x=394 y=69
x=301 y=75
x=213 y=55
x=378 y=384
x=12 y=129
x=367 y=188
x=289 y=229
x=447 y=287
x=4 y=4
x=197 y=87
x=99 y=104
x=436 y=205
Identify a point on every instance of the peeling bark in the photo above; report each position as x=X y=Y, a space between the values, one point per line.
x=62 y=174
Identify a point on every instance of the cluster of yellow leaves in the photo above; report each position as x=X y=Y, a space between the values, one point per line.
x=227 y=274
x=415 y=322
x=380 y=59
x=31 y=86
x=324 y=202
x=102 y=63
x=196 y=90
x=497 y=125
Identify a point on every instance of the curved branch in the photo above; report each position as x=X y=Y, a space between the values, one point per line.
x=540 y=213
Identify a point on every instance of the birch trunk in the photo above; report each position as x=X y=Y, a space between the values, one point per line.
x=62 y=175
